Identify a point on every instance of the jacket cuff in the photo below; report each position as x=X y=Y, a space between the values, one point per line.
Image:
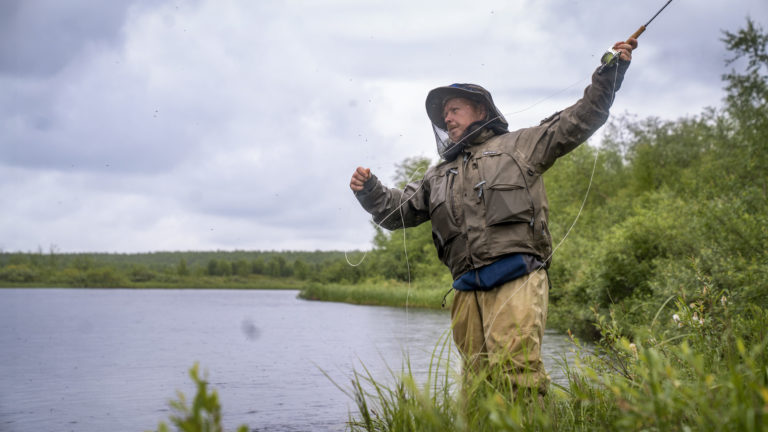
x=623 y=65
x=368 y=186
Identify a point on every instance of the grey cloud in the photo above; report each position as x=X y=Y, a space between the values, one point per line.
x=237 y=124
x=73 y=133
x=40 y=37
x=68 y=103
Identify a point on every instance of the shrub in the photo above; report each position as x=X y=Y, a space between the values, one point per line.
x=204 y=413
x=18 y=273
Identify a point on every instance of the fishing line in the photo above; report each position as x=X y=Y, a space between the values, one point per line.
x=417 y=172
x=580 y=80
x=405 y=243
x=402 y=217
x=609 y=58
x=403 y=202
x=410 y=180
x=578 y=214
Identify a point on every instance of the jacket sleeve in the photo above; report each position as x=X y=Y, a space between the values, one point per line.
x=393 y=208
x=564 y=131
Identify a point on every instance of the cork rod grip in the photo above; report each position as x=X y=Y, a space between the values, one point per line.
x=636 y=34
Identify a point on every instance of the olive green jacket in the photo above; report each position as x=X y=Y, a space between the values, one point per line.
x=490 y=201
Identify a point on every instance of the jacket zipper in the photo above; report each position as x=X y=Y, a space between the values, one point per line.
x=452 y=199
x=468 y=252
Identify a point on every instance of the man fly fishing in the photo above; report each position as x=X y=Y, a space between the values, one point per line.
x=489 y=213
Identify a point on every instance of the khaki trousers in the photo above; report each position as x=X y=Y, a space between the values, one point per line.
x=501 y=330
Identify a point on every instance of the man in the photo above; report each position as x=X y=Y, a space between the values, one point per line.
x=489 y=214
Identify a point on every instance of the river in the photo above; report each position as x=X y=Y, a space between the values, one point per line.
x=111 y=359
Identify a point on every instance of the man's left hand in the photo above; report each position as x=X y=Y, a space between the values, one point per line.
x=625 y=48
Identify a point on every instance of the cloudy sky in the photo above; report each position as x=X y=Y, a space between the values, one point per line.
x=147 y=125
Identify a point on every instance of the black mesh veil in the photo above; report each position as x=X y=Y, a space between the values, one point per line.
x=446 y=148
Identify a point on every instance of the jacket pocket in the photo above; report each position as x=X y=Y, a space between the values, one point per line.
x=444 y=228
x=507 y=204
x=506 y=195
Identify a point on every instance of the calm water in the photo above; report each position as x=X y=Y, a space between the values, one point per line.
x=98 y=360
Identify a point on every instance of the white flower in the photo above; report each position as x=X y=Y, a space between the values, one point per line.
x=676 y=318
x=633 y=348
x=723 y=300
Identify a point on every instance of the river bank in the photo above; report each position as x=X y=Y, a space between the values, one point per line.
x=429 y=295
x=253 y=282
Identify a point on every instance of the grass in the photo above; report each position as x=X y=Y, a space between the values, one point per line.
x=381 y=293
x=667 y=391
x=703 y=368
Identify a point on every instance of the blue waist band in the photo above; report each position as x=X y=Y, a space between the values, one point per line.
x=504 y=270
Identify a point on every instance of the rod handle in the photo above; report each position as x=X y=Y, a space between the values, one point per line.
x=637 y=34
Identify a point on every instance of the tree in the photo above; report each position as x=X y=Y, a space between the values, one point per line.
x=241 y=268
x=301 y=270
x=140 y=273
x=277 y=266
x=258 y=266
x=181 y=268
x=692 y=211
x=219 y=268
x=747 y=101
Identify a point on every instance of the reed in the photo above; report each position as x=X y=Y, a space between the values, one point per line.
x=423 y=294
x=703 y=369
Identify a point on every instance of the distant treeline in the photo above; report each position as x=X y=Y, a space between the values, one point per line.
x=257 y=269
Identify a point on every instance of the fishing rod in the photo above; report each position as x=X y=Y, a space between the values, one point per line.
x=612 y=55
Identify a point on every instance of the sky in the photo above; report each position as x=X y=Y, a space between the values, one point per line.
x=152 y=125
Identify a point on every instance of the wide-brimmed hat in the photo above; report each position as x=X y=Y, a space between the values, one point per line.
x=437 y=97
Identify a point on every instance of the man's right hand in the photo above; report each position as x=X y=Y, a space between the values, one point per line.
x=360 y=176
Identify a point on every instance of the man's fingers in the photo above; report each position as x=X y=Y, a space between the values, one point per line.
x=625 y=54
x=364 y=173
x=622 y=45
x=625 y=49
x=359 y=177
x=356 y=185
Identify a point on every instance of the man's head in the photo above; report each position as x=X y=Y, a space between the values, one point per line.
x=458 y=111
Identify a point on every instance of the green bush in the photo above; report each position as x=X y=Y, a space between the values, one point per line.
x=104 y=277
x=18 y=273
x=204 y=412
x=140 y=273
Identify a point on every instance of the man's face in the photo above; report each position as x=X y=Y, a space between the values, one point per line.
x=460 y=113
